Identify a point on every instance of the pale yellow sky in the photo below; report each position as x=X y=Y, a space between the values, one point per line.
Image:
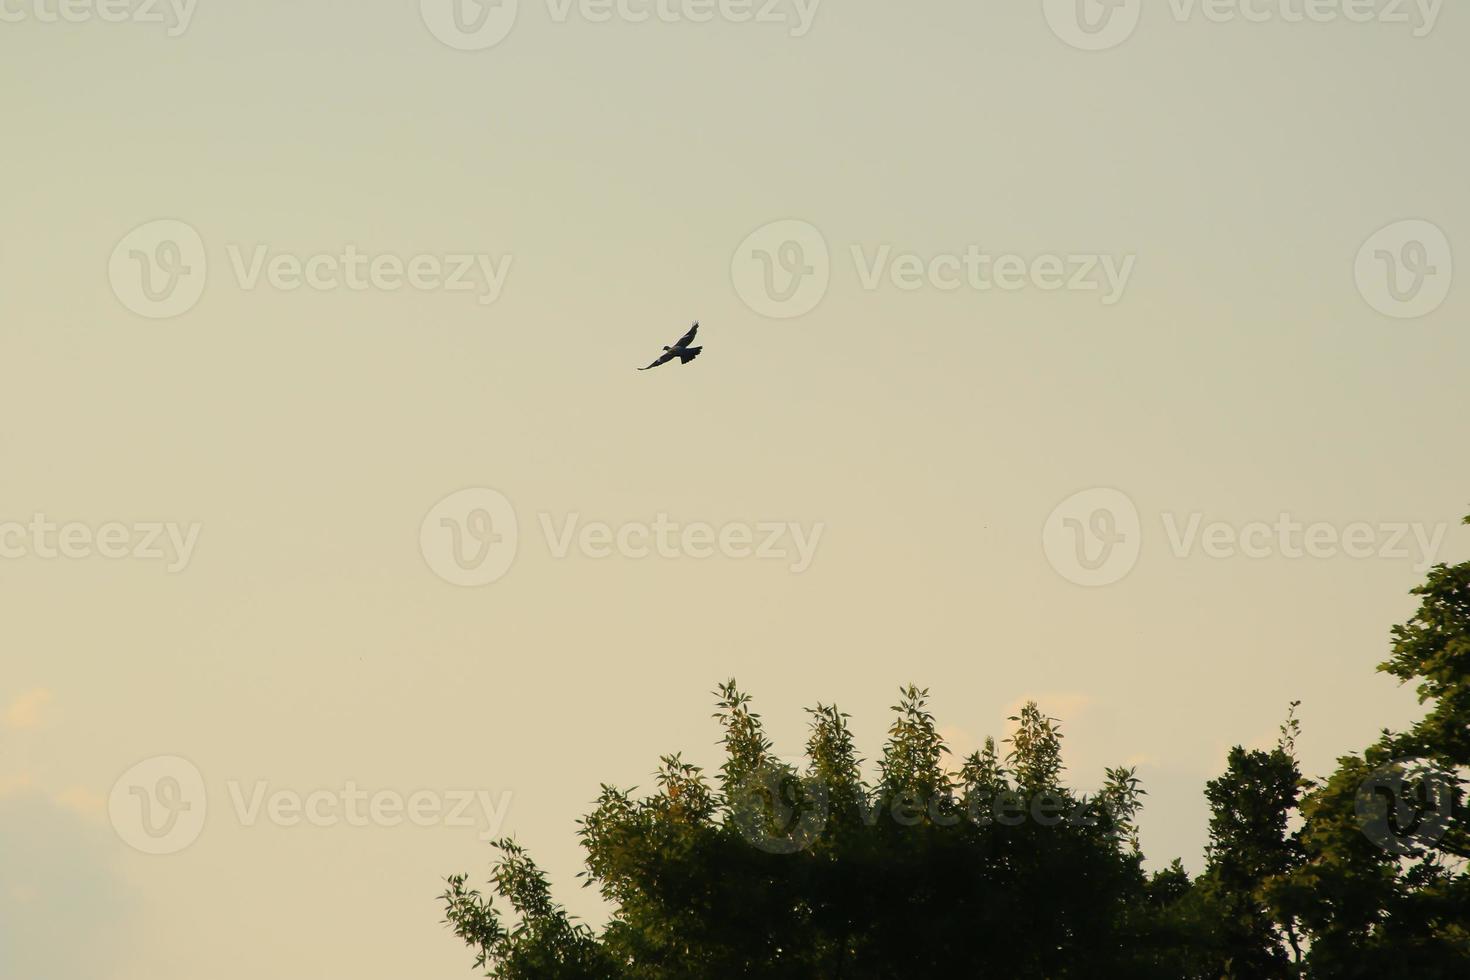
x=258 y=598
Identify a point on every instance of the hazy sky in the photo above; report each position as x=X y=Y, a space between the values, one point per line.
x=1020 y=299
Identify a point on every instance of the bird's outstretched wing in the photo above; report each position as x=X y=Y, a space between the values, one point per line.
x=688 y=338
x=666 y=358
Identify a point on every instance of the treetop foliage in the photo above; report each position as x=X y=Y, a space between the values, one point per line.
x=993 y=866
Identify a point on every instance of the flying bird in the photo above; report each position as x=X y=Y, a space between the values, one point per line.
x=681 y=350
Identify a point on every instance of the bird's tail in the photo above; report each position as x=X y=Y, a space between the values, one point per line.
x=689 y=354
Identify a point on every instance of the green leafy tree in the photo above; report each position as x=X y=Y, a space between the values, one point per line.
x=1383 y=888
x=996 y=869
x=999 y=869
x=1375 y=881
x=1251 y=850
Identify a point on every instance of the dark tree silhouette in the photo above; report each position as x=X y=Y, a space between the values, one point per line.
x=996 y=868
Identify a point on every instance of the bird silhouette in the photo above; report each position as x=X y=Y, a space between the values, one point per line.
x=681 y=350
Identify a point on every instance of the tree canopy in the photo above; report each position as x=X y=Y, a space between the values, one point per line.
x=992 y=865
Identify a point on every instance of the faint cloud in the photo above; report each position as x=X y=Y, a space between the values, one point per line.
x=1061 y=705
x=80 y=800
x=15 y=785
x=20 y=894
x=25 y=711
x=1263 y=741
x=960 y=742
x=64 y=912
x=1064 y=706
